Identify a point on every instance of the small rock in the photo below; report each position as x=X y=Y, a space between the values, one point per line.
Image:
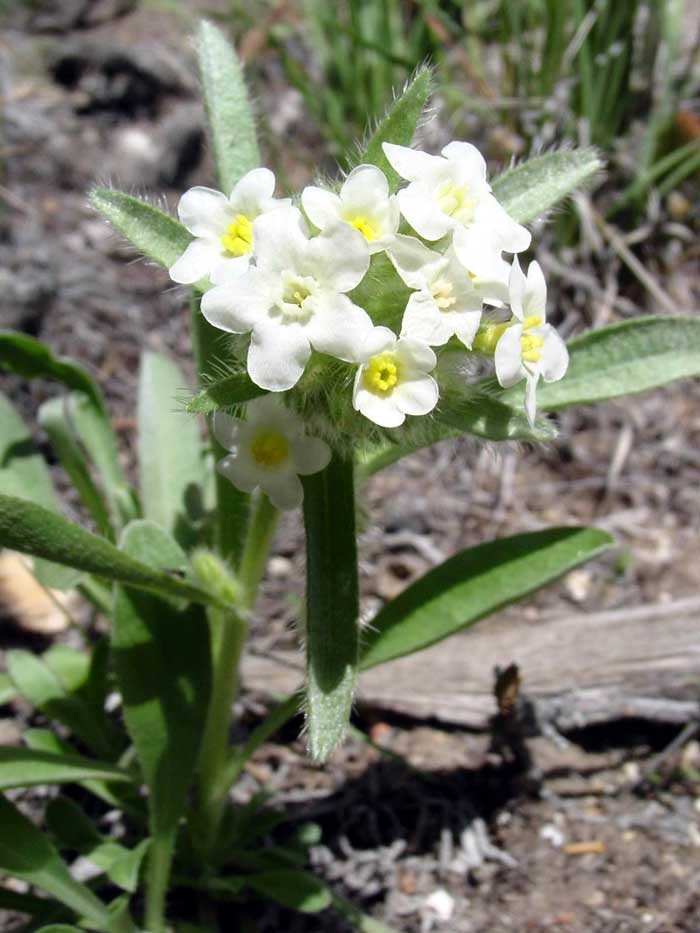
x=26 y=601
x=441 y=903
x=552 y=834
x=578 y=585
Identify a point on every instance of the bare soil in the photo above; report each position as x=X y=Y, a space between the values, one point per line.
x=580 y=841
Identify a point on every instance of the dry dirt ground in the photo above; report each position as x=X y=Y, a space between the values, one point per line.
x=447 y=836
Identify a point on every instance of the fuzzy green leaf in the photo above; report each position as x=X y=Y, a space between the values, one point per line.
x=231 y=124
x=23 y=473
x=297 y=890
x=170 y=449
x=624 y=359
x=332 y=607
x=224 y=393
x=26 y=853
x=398 y=125
x=153 y=233
x=489 y=418
x=31 y=529
x=30 y=358
x=162 y=663
x=530 y=189
x=473 y=584
x=23 y=767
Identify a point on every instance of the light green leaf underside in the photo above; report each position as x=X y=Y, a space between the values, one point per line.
x=231 y=124
x=224 y=393
x=473 y=584
x=530 y=189
x=153 y=233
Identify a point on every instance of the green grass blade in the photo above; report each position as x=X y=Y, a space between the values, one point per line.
x=23 y=767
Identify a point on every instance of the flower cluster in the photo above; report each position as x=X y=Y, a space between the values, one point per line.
x=285 y=275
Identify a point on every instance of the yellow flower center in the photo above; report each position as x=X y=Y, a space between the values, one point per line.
x=238 y=237
x=269 y=448
x=364 y=225
x=381 y=374
x=455 y=200
x=296 y=289
x=443 y=294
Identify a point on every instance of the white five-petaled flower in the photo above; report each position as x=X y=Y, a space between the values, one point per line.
x=364 y=202
x=293 y=298
x=393 y=380
x=529 y=347
x=269 y=451
x=445 y=301
x=449 y=193
x=223 y=227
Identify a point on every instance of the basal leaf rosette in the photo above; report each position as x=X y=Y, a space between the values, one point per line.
x=342 y=308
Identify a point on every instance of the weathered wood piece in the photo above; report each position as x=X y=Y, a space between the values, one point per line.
x=581 y=669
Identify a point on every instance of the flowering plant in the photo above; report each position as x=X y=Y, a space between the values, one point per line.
x=333 y=334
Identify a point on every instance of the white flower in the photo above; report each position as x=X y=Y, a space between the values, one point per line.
x=269 y=450
x=529 y=347
x=364 y=202
x=223 y=227
x=293 y=298
x=393 y=380
x=449 y=193
x=445 y=301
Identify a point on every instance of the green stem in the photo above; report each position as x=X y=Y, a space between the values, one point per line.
x=228 y=630
x=159 y=859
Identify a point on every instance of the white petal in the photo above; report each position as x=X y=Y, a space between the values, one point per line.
x=277 y=355
x=339 y=327
x=376 y=341
x=228 y=430
x=229 y=268
x=420 y=210
x=198 y=260
x=279 y=240
x=322 y=207
x=510 y=235
x=464 y=325
x=417 y=396
x=269 y=410
x=204 y=212
x=365 y=187
x=409 y=163
x=530 y=397
x=238 y=306
x=284 y=490
x=424 y=321
x=383 y=411
x=415 y=354
x=469 y=157
x=508 y=357
x=338 y=257
x=516 y=288
x=252 y=192
x=309 y=455
x=240 y=472
x=554 y=357
x=535 y=299
x=413 y=260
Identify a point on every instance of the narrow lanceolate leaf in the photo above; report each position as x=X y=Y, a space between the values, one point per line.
x=297 y=890
x=31 y=529
x=489 y=418
x=398 y=125
x=30 y=358
x=332 y=607
x=231 y=124
x=224 y=393
x=530 y=189
x=624 y=359
x=473 y=584
x=24 y=473
x=22 y=767
x=153 y=233
x=170 y=450
x=27 y=854
x=163 y=666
